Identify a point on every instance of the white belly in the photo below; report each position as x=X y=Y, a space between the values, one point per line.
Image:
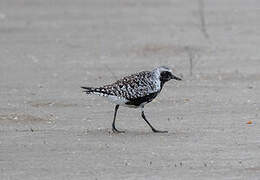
x=121 y=101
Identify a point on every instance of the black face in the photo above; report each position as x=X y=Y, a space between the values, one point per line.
x=166 y=76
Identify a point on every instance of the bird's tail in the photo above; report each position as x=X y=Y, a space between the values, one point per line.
x=88 y=90
x=97 y=91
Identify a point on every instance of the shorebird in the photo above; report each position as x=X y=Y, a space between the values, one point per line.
x=135 y=91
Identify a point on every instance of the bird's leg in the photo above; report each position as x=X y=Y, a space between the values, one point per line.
x=113 y=124
x=153 y=129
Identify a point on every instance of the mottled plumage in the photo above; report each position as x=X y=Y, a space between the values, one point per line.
x=135 y=90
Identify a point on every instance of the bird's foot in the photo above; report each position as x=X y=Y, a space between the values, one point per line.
x=117 y=131
x=158 y=131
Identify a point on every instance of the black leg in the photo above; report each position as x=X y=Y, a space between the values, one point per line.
x=153 y=129
x=113 y=124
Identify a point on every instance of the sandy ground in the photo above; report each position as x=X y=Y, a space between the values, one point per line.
x=50 y=130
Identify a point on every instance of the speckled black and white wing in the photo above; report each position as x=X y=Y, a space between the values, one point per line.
x=133 y=90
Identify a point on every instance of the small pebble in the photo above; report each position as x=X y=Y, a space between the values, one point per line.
x=249 y=122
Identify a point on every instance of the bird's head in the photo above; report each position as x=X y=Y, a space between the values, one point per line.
x=165 y=74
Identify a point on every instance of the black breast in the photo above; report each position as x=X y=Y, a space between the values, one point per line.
x=138 y=101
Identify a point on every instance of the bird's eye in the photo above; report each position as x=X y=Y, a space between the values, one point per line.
x=165 y=74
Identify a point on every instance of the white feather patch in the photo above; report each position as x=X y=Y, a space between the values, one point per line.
x=117 y=100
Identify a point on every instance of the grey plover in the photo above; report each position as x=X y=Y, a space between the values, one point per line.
x=135 y=90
